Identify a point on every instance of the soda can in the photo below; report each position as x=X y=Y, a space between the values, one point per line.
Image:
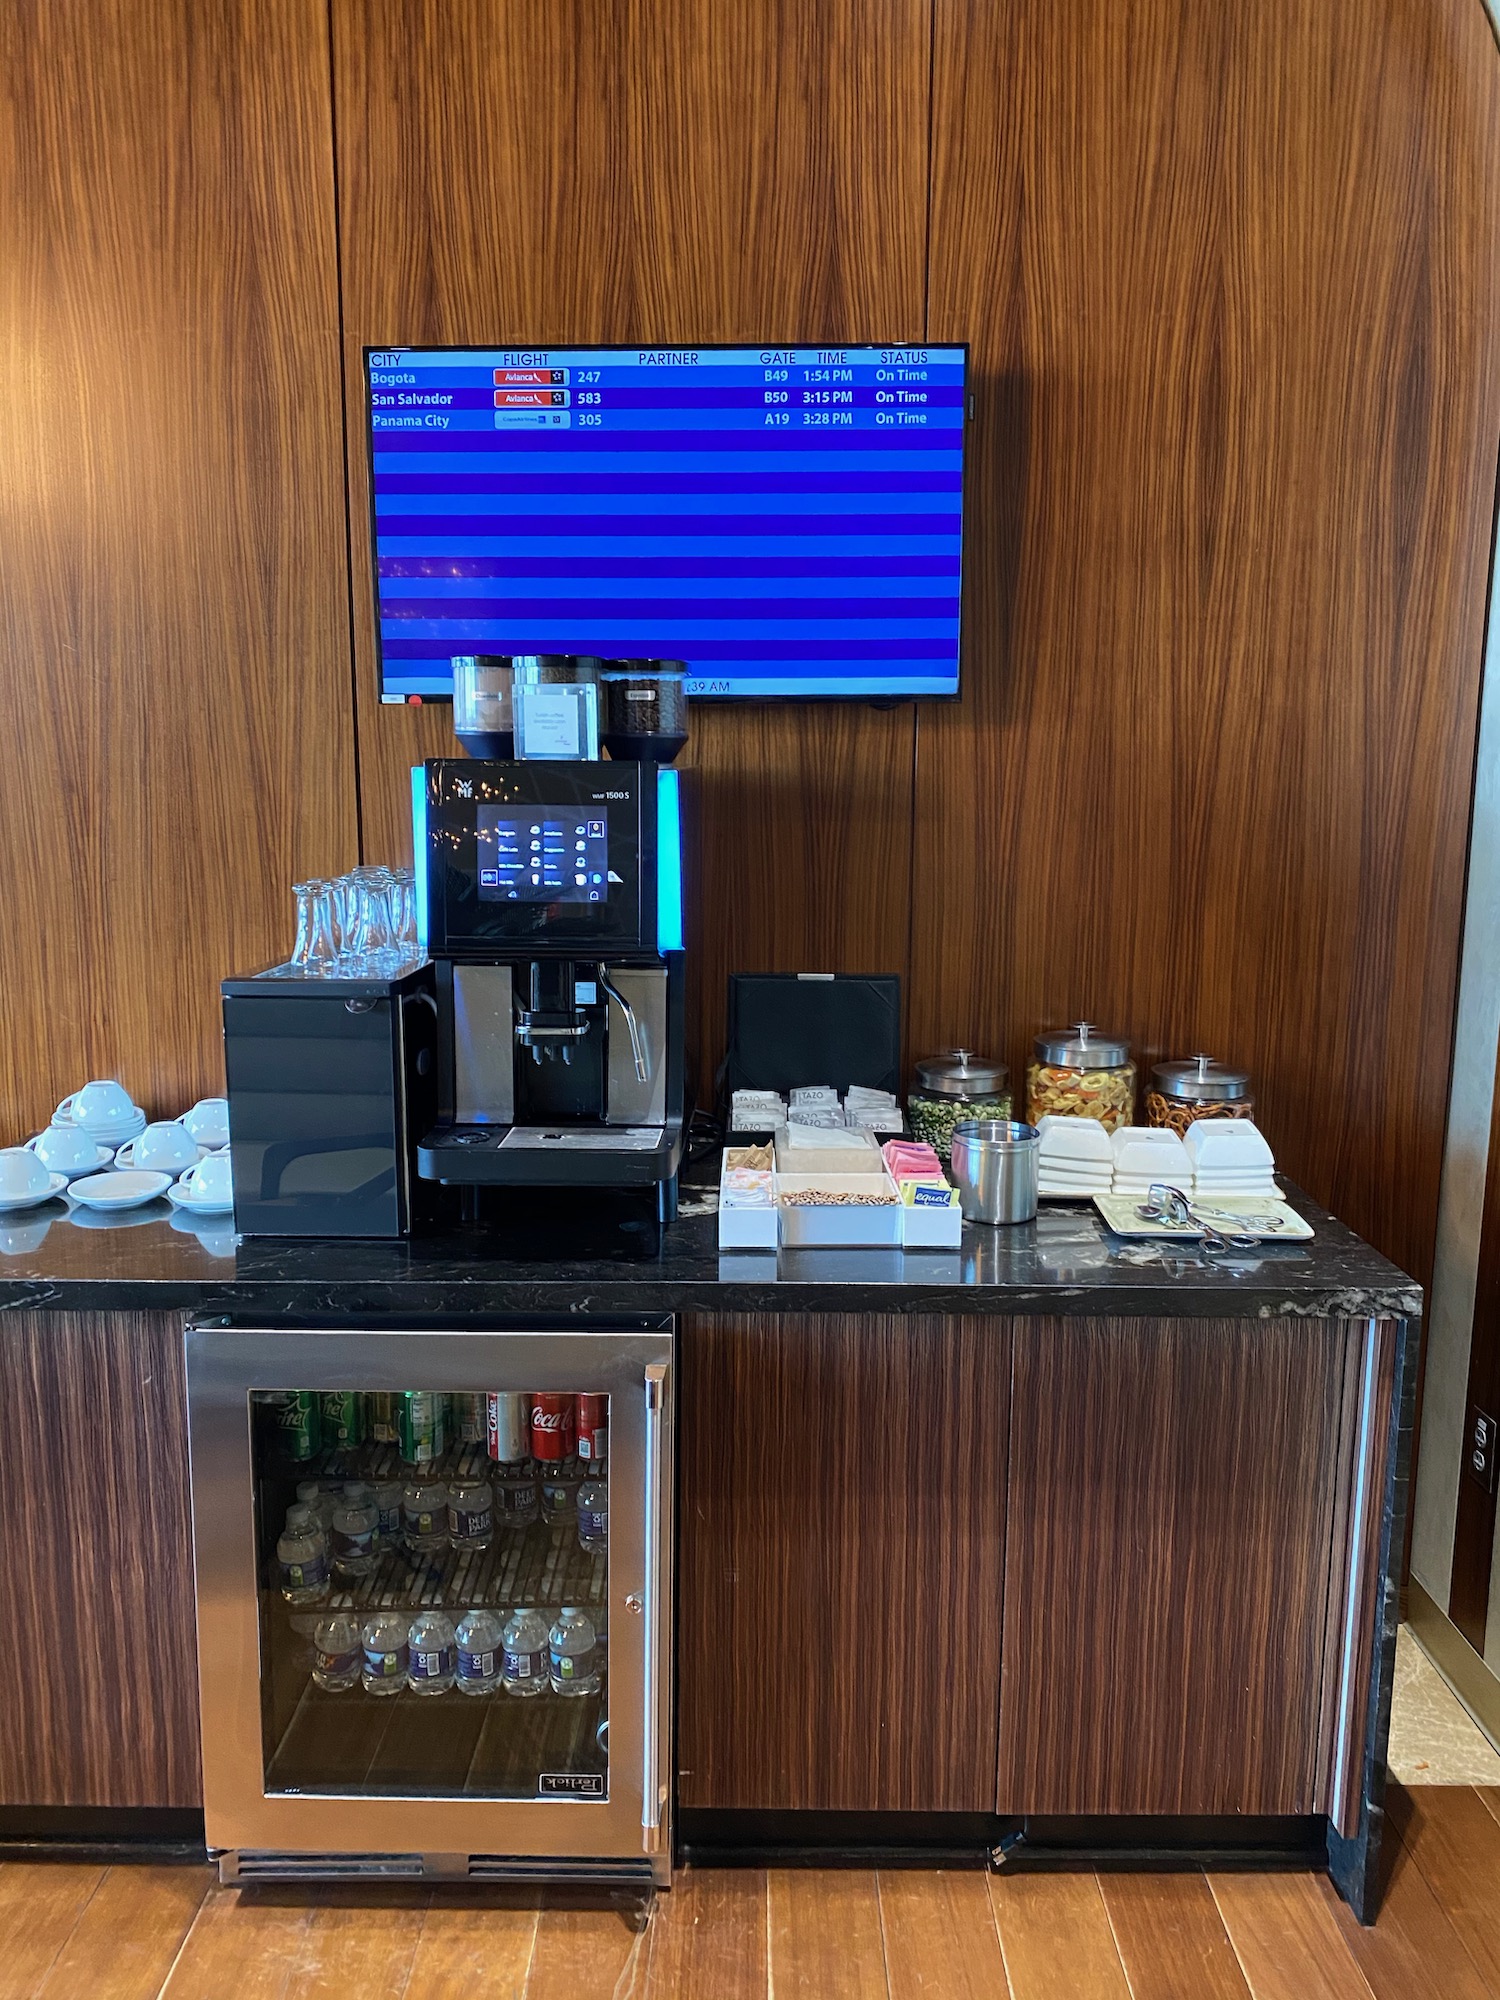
x=343 y=1418
x=420 y=1436
x=553 y=1433
x=470 y=1419
x=297 y=1423
x=508 y=1422
x=381 y=1409
x=593 y=1428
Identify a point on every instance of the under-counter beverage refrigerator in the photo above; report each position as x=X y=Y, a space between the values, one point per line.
x=434 y=1588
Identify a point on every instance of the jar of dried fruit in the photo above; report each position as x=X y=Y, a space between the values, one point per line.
x=950 y=1088
x=1183 y=1092
x=1078 y=1072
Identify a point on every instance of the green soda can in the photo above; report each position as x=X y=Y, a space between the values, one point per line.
x=343 y=1418
x=419 y=1425
x=297 y=1423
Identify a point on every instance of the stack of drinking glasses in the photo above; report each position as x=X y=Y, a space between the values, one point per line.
x=362 y=925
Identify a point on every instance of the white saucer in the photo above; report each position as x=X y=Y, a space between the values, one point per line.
x=9 y=1204
x=121 y=1189
x=113 y=1136
x=195 y=1205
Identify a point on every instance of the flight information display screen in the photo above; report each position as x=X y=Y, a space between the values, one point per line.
x=787 y=521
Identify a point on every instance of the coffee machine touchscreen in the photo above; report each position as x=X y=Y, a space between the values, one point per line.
x=543 y=854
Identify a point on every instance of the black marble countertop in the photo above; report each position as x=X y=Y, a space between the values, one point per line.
x=607 y=1259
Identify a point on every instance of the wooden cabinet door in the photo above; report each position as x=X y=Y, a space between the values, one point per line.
x=99 y=1700
x=842 y=1513
x=1170 y=1531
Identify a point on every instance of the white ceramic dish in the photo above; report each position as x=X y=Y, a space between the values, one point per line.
x=11 y=1204
x=195 y=1205
x=125 y=1189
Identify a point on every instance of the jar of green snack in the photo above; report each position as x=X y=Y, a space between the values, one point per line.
x=950 y=1088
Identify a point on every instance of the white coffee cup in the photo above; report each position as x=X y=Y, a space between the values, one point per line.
x=211 y=1180
x=21 y=1174
x=101 y=1106
x=66 y=1149
x=163 y=1148
x=208 y=1122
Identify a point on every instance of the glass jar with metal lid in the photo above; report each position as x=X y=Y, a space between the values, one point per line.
x=1079 y=1072
x=950 y=1088
x=1183 y=1092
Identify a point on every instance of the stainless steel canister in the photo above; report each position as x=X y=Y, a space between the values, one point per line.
x=995 y=1166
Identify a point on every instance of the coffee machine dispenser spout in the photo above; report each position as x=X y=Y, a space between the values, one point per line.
x=632 y=1026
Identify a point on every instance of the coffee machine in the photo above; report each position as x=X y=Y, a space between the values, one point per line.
x=549 y=901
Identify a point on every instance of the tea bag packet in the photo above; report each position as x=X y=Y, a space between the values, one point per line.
x=815 y=1097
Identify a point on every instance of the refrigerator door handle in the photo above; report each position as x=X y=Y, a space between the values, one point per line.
x=652 y=1790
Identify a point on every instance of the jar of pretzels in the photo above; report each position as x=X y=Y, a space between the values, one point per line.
x=1183 y=1092
x=1079 y=1072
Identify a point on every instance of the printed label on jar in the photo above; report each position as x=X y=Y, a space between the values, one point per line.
x=383 y=1666
x=476 y=1666
x=524 y=1666
x=431 y=1665
x=467 y=1524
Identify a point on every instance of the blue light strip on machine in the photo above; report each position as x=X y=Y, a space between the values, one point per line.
x=419 y=846
x=668 y=863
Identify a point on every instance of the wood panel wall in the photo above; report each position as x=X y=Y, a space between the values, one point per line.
x=1229 y=279
x=174 y=668
x=685 y=170
x=1229 y=276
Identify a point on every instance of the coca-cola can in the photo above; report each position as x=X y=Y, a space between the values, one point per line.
x=508 y=1426
x=593 y=1428
x=553 y=1432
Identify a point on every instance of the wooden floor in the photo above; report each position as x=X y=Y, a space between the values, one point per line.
x=130 y=1933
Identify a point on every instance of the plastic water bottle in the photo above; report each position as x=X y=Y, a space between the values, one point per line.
x=572 y=1647
x=424 y=1514
x=471 y=1514
x=322 y=1502
x=384 y=1667
x=430 y=1653
x=516 y=1497
x=355 y=1527
x=479 y=1644
x=559 y=1498
x=302 y=1556
x=593 y=1517
x=336 y=1653
x=523 y=1660
x=386 y=1494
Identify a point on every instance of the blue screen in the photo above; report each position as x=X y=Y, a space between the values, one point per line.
x=788 y=521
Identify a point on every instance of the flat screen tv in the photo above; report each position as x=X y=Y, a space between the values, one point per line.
x=787 y=520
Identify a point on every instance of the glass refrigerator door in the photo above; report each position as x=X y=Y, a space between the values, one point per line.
x=431 y=1617
x=434 y=1592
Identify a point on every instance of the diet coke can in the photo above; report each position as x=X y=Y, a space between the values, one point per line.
x=593 y=1428
x=552 y=1427
x=508 y=1426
